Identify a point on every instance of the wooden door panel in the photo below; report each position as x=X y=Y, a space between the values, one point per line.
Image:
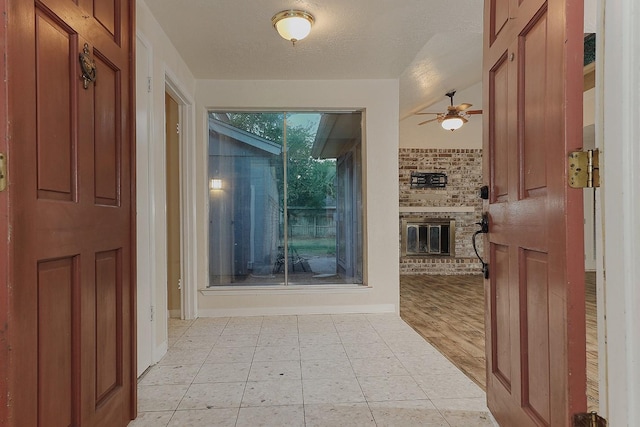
x=55 y=57
x=499 y=18
x=499 y=85
x=108 y=324
x=504 y=18
x=531 y=56
x=535 y=334
x=107 y=142
x=500 y=302
x=105 y=12
x=57 y=288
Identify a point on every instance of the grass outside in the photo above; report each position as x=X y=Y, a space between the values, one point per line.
x=314 y=246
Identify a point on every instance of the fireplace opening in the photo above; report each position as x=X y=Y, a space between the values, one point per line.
x=428 y=237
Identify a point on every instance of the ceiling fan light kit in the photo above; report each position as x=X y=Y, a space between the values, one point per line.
x=456 y=115
x=452 y=122
x=293 y=25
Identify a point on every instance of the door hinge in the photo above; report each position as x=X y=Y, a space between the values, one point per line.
x=152 y=313
x=588 y=419
x=178 y=128
x=3 y=172
x=148 y=84
x=584 y=169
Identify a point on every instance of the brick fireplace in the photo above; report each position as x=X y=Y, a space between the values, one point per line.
x=431 y=217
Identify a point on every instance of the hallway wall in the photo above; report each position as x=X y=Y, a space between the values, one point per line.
x=166 y=61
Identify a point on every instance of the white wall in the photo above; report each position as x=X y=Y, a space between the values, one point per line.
x=589 y=107
x=431 y=135
x=379 y=99
x=165 y=61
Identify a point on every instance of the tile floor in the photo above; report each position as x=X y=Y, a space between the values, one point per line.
x=316 y=370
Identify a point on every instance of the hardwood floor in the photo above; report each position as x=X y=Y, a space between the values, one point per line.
x=448 y=311
x=592 y=342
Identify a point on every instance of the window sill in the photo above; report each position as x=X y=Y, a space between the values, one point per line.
x=281 y=289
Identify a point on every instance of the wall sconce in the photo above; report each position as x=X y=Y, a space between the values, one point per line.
x=215 y=184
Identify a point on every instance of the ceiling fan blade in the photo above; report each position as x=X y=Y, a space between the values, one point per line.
x=421 y=113
x=463 y=106
x=427 y=121
x=474 y=112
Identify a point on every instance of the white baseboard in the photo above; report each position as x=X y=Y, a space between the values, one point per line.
x=160 y=351
x=279 y=311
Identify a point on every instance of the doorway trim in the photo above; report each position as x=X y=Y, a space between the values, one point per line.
x=188 y=233
x=620 y=389
x=146 y=270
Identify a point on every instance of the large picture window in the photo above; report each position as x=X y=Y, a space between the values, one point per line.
x=285 y=202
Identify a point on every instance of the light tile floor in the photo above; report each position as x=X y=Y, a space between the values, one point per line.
x=315 y=370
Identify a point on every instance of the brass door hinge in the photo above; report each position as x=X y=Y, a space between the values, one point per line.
x=584 y=169
x=3 y=172
x=589 y=419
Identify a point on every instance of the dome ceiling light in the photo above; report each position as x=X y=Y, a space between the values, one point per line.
x=293 y=25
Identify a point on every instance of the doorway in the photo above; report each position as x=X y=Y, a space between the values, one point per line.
x=152 y=230
x=173 y=197
x=590 y=200
x=448 y=311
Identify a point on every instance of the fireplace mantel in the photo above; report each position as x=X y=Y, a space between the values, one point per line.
x=435 y=209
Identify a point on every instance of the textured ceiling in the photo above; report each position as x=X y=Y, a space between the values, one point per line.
x=430 y=45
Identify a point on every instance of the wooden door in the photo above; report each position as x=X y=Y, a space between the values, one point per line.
x=535 y=320
x=71 y=257
x=4 y=233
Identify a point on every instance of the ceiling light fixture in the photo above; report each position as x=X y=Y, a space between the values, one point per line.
x=293 y=25
x=453 y=122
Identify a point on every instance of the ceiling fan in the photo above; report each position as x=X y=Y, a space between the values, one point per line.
x=454 y=117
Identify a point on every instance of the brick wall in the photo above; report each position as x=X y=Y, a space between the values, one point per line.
x=463 y=168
